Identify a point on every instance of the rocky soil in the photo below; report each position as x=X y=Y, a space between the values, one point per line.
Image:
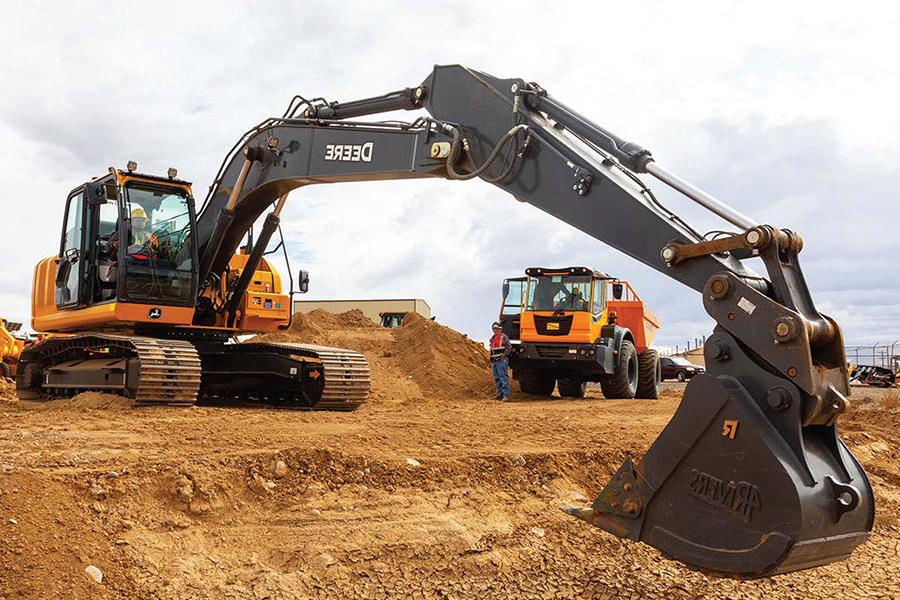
x=430 y=490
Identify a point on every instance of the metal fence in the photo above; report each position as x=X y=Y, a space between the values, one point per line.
x=879 y=355
x=688 y=346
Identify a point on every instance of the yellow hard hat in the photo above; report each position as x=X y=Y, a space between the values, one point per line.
x=138 y=213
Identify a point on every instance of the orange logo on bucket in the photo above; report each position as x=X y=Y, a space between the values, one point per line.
x=729 y=429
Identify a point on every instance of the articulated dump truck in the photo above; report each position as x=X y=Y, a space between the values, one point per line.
x=575 y=325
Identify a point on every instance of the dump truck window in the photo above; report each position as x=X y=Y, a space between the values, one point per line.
x=550 y=292
x=512 y=303
x=599 y=297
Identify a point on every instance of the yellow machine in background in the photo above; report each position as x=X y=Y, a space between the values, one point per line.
x=10 y=347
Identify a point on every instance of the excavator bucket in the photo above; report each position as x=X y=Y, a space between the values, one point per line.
x=729 y=490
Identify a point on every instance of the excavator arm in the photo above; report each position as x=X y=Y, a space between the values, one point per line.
x=750 y=477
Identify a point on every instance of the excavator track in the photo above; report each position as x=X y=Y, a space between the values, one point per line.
x=347 y=376
x=149 y=370
x=299 y=376
x=169 y=372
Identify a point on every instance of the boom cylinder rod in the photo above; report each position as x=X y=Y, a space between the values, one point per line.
x=700 y=197
x=223 y=222
x=406 y=99
x=632 y=156
x=628 y=153
x=256 y=255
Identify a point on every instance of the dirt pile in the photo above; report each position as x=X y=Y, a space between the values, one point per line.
x=421 y=358
x=442 y=361
x=325 y=328
x=7 y=390
x=85 y=401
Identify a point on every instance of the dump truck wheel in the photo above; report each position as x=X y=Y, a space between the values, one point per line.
x=649 y=375
x=537 y=383
x=624 y=382
x=571 y=388
x=5 y=372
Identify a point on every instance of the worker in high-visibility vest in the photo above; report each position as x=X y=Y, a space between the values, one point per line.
x=501 y=348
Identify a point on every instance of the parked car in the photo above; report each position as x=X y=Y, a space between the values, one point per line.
x=675 y=367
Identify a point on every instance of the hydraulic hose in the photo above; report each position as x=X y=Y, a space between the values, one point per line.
x=455 y=148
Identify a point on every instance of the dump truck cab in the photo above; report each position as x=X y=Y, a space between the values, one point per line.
x=570 y=326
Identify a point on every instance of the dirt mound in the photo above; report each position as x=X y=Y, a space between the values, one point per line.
x=82 y=401
x=7 y=390
x=421 y=356
x=442 y=361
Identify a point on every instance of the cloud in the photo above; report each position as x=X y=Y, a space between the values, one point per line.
x=758 y=111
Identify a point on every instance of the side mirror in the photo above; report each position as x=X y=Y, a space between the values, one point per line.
x=505 y=289
x=99 y=193
x=303 y=281
x=618 y=288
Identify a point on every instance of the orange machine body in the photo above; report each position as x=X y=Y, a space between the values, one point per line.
x=263 y=308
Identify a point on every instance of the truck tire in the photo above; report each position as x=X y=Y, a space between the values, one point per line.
x=623 y=383
x=5 y=372
x=537 y=383
x=571 y=388
x=649 y=375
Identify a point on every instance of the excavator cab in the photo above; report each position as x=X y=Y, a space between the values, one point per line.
x=126 y=254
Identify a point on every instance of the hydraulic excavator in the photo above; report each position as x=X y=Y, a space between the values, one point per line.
x=748 y=479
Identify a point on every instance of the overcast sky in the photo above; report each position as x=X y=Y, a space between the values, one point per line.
x=786 y=110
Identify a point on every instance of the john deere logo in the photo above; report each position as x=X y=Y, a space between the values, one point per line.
x=154 y=313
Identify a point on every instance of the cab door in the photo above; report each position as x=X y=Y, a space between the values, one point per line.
x=511 y=311
x=91 y=213
x=70 y=268
x=598 y=308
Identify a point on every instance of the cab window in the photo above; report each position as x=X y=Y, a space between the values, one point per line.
x=158 y=251
x=68 y=275
x=599 y=300
x=512 y=301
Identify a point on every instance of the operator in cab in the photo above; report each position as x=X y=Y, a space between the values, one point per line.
x=501 y=348
x=142 y=243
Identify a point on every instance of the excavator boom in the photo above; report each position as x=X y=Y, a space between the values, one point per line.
x=750 y=477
